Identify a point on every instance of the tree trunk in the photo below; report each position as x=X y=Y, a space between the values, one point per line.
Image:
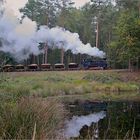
x=38 y=59
x=62 y=56
x=26 y=62
x=109 y=36
x=33 y=59
x=46 y=54
x=137 y=65
x=42 y=58
x=139 y=8
x=97 y=34
x=129 y=65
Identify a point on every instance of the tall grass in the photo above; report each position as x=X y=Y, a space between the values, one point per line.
x=28 y=116
x=24 y=116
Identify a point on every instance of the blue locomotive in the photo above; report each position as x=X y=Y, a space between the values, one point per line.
x=94 y=64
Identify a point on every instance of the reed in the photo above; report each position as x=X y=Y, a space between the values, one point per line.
x=31 y=118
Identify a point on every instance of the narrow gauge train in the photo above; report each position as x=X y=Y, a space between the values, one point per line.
x=85 y=65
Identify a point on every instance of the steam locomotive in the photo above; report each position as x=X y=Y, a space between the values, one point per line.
x=89 y=64
x=85 y=65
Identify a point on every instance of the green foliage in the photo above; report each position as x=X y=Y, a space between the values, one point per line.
x=128 y=4
x=43 y=12
x=128 y=29
x=126 y=46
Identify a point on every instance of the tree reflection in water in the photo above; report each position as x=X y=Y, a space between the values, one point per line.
x=122 y=120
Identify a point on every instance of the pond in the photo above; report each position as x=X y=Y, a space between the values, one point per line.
x=103 y=120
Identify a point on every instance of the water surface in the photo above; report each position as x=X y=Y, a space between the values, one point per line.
x=103 y=120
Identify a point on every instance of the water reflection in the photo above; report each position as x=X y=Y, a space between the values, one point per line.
x=78 y=123
x=110 y=120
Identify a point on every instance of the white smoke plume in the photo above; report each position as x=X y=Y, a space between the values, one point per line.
x=21 y=38
x=77 y=122
x=17 y=35
x=68 y=41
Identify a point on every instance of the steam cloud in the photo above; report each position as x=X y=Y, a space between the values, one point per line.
x=76 y=123
x=21 y=38
x=17 y=35
x=65 y=39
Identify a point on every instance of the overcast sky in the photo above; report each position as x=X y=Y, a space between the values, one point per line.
x=79 y=3
x=17 y=4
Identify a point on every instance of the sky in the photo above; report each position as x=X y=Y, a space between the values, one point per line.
x=19 y=3
x=79 y=3
x=15 y=5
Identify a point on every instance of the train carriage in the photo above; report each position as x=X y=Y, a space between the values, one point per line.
x=19 y=68
x=73 y=66
x=33 y=67
x=45 y=67
x=8 y=68
x=59 y=66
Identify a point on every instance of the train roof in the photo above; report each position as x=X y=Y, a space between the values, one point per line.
x=8 y=65
x=58 y=64
x=19 y=65
x=33 y=65
x=45 y=64
x=72 y=63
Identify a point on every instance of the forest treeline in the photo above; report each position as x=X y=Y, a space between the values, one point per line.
x=117 y=23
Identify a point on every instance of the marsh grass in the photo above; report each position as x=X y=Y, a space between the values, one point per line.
x=23 y=115
x=44 y=84
x=18 y=118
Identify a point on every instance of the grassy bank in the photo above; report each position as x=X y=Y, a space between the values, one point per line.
x=46 y=84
